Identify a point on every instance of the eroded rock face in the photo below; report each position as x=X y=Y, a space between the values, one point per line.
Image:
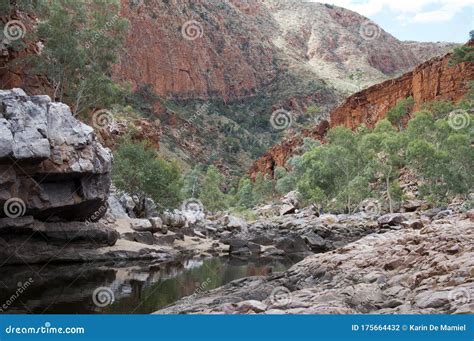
x=50 y=163
x=212 y=59
x=432 y=80
x=234 y=49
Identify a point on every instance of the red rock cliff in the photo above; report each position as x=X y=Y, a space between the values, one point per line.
x=238 y=48
x=12 y=73
x=432 y=80
x=280 y=153
x=221 y=55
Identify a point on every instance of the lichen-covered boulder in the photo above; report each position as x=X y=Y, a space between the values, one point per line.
x=51 y=165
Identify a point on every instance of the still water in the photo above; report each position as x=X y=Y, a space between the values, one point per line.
x=132 y=288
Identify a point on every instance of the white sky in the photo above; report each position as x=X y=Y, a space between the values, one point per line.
x=422 y=20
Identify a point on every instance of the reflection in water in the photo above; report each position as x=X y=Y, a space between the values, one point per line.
x=137 y=287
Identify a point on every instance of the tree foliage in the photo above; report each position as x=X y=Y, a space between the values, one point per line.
x=244 y=197
x=401 y=109
x=192 y=183
x=333 y=175
x=139 y=171
x=262 y=188
x=212 y=196
x=462 y=54
x=355 y=165
x=441 y=156
x=81 y=42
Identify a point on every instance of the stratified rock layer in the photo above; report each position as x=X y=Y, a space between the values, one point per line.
x=234 y=49
x=433 y=80
x=50 y=163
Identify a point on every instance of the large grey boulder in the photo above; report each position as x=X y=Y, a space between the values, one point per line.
x=391 y=219
x=6 y=138
x=50 y=163
x=292 y=198
x=290 y=203
x=292 y=243
x=235 y=223
x=115 y=208
x=173 y=219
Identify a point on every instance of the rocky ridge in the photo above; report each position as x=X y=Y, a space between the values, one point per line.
x=236 y=49
x=334 y=42
x=432 y=80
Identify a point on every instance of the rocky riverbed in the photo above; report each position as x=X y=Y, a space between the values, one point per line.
x=417 y=268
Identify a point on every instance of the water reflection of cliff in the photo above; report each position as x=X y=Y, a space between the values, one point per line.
x=137 y=287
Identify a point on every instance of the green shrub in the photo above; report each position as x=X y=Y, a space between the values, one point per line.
x=401 y=109
x=81 y=44
x=212 y=196
x=139 y=171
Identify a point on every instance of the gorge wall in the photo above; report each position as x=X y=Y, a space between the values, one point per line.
x=430 y=81
x=235 y=49
x=220 y=55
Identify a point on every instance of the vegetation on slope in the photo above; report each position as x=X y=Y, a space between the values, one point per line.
x=435 y=146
